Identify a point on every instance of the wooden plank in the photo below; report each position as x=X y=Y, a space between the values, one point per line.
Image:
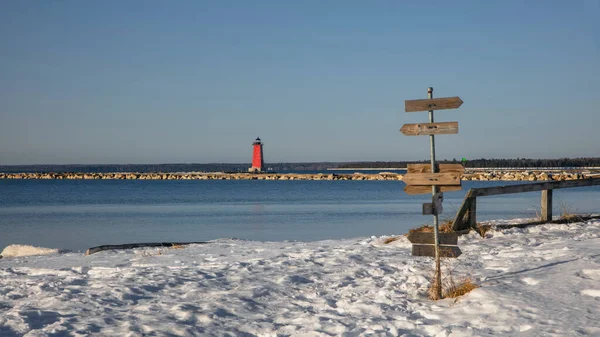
x=421 y=129
x=441 y=168
x=449 y=178
x=427 y=238
x=96 y=249
x=546 y=205
x=414 y=105
x=414 y=189
x=459 y=222
x=534 y=187
x=472 y=214
x=429 y=250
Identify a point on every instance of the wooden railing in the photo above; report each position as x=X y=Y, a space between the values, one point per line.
x=466 y=217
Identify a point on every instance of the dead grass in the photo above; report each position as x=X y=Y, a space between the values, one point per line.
x=451 y=288
x=390 y=240
x=443 y=227
x=459 y=288
x=175 y=246
x=482 y=229
x=567 y=214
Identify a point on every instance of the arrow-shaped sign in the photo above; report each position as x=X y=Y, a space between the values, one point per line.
x=427 y=238
x=429 y=250
x=432 y=104
x=441 y=168
x=450 y=178
x=443 y=128
x=426 y=189
x=424 y=244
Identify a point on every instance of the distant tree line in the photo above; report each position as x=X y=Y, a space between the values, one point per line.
x=281 y=167
x=484 y=163
x=214 y=167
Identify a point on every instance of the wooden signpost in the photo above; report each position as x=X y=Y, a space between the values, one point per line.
x=425 y=178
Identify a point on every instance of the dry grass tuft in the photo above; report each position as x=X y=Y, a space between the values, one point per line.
x=460 y=288
x=444 y=227
x=390 y=240
x=568 y=215
x=483 y=229
x=424 y=228
x=177 y=246
x=451 y=288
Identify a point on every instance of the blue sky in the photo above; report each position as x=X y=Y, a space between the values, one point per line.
x=197 y=81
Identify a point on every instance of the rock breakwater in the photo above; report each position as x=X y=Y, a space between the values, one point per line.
x=482 y=176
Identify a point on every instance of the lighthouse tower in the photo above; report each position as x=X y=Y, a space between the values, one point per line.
x=258 y=162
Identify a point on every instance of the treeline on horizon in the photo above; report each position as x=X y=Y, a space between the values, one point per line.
x=489 y=163
x=280 y=167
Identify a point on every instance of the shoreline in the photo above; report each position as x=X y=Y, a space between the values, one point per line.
x=491 y=175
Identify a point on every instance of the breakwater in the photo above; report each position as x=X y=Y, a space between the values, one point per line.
x=479 y=175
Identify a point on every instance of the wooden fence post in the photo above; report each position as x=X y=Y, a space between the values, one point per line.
x=546 y=206
x=472 y=214
x=459 y=220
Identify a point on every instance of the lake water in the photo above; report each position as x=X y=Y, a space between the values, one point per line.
x=78 y=214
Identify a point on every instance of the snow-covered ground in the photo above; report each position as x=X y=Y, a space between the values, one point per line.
x=539 y=281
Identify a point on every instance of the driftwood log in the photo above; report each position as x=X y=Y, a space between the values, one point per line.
x=96 y=249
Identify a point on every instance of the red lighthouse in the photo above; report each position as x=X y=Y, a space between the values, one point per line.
x=257 y=157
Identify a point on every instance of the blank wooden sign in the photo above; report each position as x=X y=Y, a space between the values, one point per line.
x=441 y=168
x=449 y=178
x=423 y=129
x=426 y=189
x=427 y=104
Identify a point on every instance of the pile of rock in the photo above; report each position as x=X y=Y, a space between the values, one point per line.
x=203 y=176
x=485 y=176
x=522 y=176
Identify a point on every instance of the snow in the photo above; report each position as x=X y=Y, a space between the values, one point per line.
x=536 y=281
x=26 y=250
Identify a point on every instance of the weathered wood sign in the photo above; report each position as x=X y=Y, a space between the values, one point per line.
x=441 y=168
x=429 y=250
x=422 y=129
x=425 y=168
x=414 y=105
x=426 y=189
x=424 y=244
x=427 y=238
x=448 y=178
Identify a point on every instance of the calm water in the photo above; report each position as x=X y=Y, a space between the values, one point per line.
x=77 y=214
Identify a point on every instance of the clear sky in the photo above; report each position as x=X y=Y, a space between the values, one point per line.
x=197 y=81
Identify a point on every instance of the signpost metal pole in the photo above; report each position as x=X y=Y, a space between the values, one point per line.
x=438 y=272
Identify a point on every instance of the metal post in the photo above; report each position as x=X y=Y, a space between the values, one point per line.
x=438 y=272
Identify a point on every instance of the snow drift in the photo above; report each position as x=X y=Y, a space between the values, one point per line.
x=26 y=250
